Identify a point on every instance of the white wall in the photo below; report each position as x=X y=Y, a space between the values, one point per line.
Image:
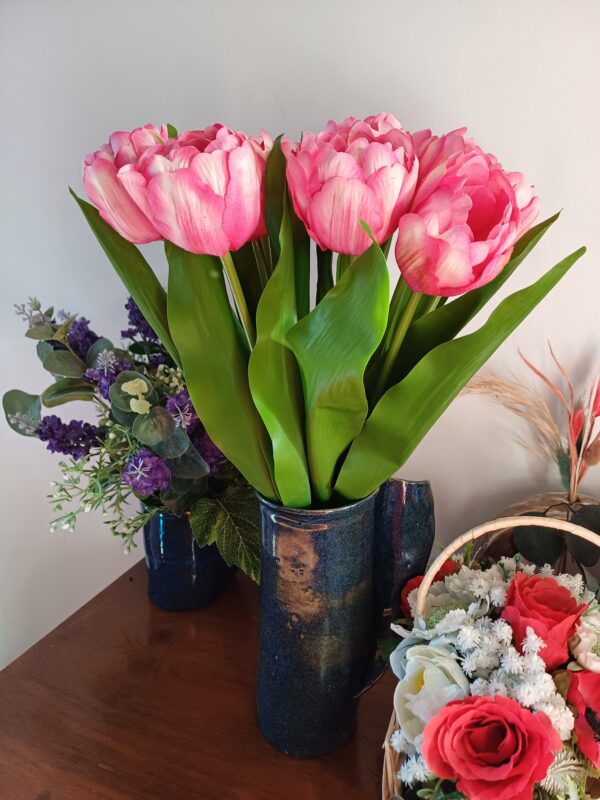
x=522 y=74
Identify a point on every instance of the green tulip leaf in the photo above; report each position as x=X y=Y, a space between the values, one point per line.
x=64 y=364
x=215 y=363
x=409 y=409
x=23 y=411
x=154 y=427
x=135 y=272
x=68 y=390
x=275 y=193
x=275 y=379
x=333 y=345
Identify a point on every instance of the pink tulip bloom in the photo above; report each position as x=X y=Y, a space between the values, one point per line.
x=203 y=191
x=357 y=170
x=116 y=190
x=466 y=215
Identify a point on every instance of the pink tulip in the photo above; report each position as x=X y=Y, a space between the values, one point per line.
x=357 y=170
x=466 y=215
x=114 y=187
x=203 y=191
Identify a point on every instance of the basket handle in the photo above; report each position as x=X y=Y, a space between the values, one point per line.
x=489 y=527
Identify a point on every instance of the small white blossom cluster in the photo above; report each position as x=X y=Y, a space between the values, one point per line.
x=171 y=377
x=500 y=669
x=414 y=770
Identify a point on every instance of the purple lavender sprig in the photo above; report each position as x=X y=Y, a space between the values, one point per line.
x=80 y=338
x=139 y=326
x=75 y=438
x=181 y=409
x=146 y=473
x=105 y=371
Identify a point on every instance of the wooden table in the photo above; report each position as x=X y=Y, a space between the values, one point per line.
x=124 y=701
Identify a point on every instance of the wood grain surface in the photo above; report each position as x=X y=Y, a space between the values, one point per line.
x=124 y=701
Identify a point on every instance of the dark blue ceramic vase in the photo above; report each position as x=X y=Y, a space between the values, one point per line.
x=328 y=579
x=181 y=575
x=404 y=534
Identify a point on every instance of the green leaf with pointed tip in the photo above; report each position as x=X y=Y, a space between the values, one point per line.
x=172 y=131
x=447 y=321
x=135 y=272
x=64 y=364
x=333 y=345
x=215 y=363
x=275 y=192
x=68 y=390
x=60 y=334
x=232 y=522
x=23 y=411
x=408 y=410
x=43 y=332
x=154 y=427
x=275 y=379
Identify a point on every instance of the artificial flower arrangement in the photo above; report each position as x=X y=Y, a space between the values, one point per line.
x=499 y=682
x=147 y=443
x=573 y=442
x=318 y=400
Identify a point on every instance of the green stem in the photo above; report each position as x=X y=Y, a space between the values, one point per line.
x=266 y=246
x=431 y=304
x=325 y=275
x=259 y=256
x=342 y=264
x=397 y=338
x=239 y=299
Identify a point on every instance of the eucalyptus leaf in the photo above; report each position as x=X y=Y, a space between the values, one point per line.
x=173 y=447
x=232 y=522
x=275 y=379
x=154 y=427
x=135 y=272
x=189 y=465
x=333 y=345
x=44 y=332
x=23 y=411
x=123 y=399
x=68 y=390
x=182 y=494
x=64 y=364
x=408 y=410
x=42 y=349
x=99 y=346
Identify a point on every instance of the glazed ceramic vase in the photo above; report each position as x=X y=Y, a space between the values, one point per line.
x=329 y=580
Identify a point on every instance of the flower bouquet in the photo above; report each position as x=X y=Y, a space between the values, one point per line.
x=313 y=378
x=146 y=444
x=499 y=681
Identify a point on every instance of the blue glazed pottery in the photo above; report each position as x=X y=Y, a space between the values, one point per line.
x=181 y=575
x=328 y=579
x=404 y=534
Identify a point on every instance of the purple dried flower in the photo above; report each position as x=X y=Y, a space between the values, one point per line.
x=105 y=371
x=80 y=337
x=146 y=473
x=207 y=449
x=181 y=409
x=74 y=438
x=138 y=324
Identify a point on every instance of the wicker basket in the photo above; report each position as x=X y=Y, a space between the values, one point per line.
x=391 y=787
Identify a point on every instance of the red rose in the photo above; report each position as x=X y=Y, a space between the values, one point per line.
x=496 y=748
x=584 y=696
x=548 y=608
x=448 y=568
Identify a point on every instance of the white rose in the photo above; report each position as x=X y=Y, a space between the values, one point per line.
x=432 y=679
x=585 y=643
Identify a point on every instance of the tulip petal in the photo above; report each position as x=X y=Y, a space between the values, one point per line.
x=336 y=212
x=243 y=198
x=212 y=169
x=135 y=185
x=115 y=204
x=187 y=212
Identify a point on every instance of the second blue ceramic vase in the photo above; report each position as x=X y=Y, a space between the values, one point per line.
x=181 y=575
